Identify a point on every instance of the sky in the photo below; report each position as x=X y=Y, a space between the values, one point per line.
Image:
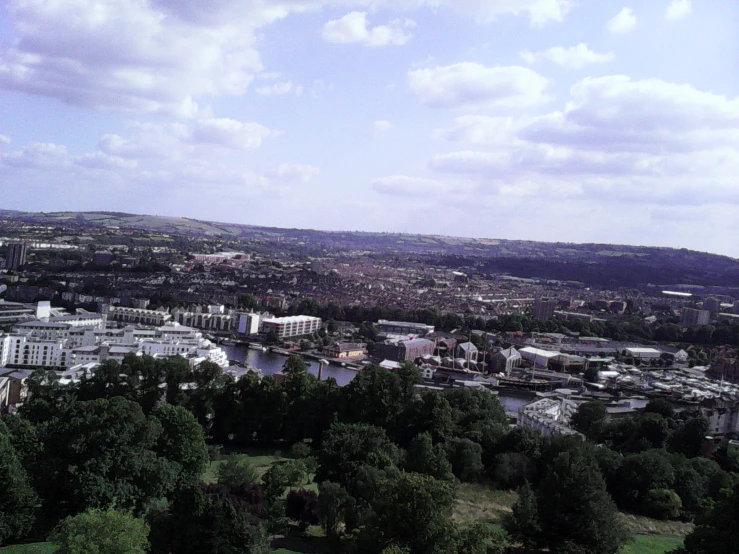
x=557 y=120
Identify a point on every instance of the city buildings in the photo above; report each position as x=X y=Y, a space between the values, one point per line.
x=16 y=255
x=248 y=324
x=551 y=416
x=693 y=317
x=712 y=304
x=399 y=350
x=419 y=330
x=544 y=307
x=346 y=350
x=40 y=344
x=212 y=318
x=292 y=326
x=137 y=315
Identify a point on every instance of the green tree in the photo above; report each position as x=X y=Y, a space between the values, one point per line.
x=662 y=504
x=235 y=470
x=280 y=476
x=575 y=508
x=522 y=524
x=333 y=502
x=18 y=500
x=689 y=439
x=100 y=453
x=472 y=407
x=588 y=417
x=466 y=459
x=348 y=449
x=425 y=457
x=181 y=440
x=294 y=365
x=717 y=532
x=660 y=406
x=413 y=511
x=640 y=473
x=102 y=532
x=302 y=506
x=202 y=521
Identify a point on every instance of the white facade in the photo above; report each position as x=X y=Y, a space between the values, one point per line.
x=293 y=326
x=249 y=324
x=137 y=315
x=81 y=346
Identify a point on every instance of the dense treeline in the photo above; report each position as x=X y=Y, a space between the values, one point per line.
x=126 y=449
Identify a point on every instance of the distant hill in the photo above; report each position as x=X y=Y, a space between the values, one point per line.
x=601 y=264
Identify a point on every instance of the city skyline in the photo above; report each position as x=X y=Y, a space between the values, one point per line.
x=530 y=119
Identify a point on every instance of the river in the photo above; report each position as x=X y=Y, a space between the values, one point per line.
x=271 y=363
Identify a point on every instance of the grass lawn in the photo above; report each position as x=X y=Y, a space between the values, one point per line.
x=261 y=458
x=652 y=544
x=478 y=502
x=33 y=548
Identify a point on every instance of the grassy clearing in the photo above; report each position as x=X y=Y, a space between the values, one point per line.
x=261 y=458
x=31 y=548
x=477 y=502
x=640 y=525
x=652 y=544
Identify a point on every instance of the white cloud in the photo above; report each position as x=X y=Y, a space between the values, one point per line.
x=623 y=22
x=540 y=12
x=4 y=139
x=469 y=84
x=230 y=133
x=295 y=172
x=382 y=126
x=161 y=56
x=574 y=57
x=132 y=55
x=275 y=89
x=678 y=9
x=179 y=140
x=100 y=160
x=617 y=139
x=354 y=28
x=37 y=155
x=402 y=185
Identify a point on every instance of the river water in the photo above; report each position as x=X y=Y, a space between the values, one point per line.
x=271 y=363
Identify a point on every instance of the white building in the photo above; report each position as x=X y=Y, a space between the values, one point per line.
x=293 y=326
x=540 y=358
x=137 y=315
x=43 y=346
x=551 y=416
x=642 y=353
x=248 y=324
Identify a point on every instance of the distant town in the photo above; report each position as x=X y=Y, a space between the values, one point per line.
x=76 y=293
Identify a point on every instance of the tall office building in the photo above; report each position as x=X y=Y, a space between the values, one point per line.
x=16 y=255
x=712 y=304
x=693 y=317
x=544 y=307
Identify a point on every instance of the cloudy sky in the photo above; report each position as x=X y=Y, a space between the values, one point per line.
x=566 y=120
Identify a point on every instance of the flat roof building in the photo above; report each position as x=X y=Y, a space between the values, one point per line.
x=404 y=328
x=292 y=326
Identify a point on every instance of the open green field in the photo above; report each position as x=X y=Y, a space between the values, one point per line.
x=652 y=544
x=261 y=458
x=34 y=548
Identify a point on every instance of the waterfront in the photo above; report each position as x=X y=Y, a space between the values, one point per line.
x=271 y=363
